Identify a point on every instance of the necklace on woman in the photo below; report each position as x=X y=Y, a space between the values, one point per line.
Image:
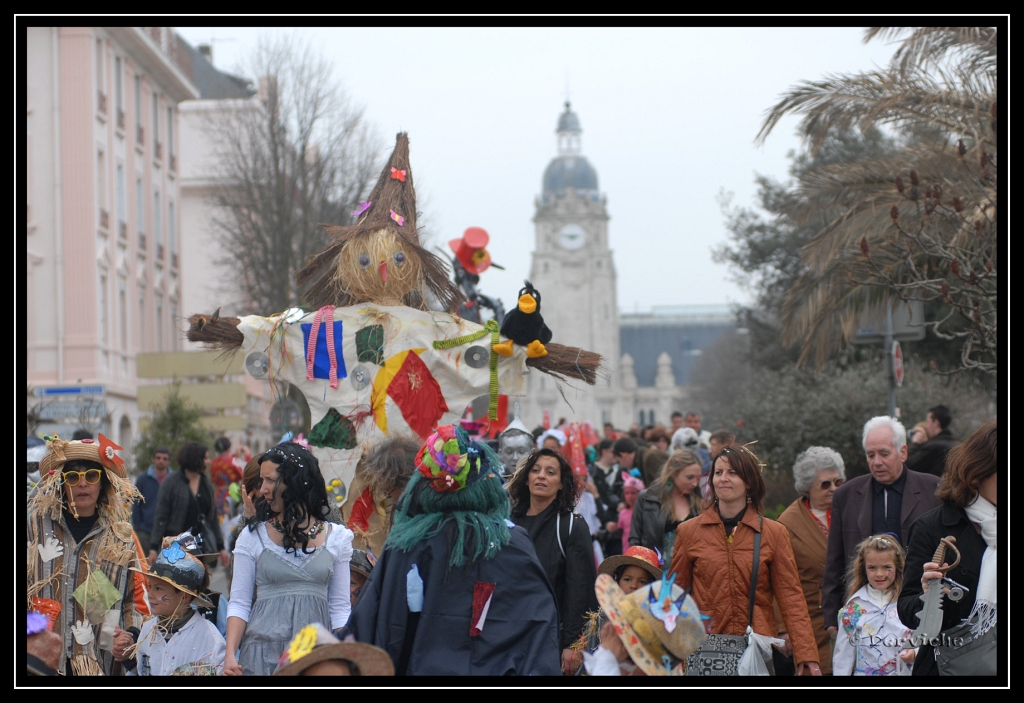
x=311 y=533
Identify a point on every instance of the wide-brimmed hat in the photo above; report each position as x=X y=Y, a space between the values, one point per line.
x=177 y=565
x=361 y=562
x=647 y=559
x=659 y=624
x=315 y=643
x=471 y=250
x=101 y=451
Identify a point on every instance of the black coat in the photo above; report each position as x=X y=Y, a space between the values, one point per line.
x=608 y=508
x=851 y=524
x=173 y=508
x=519 y=635
x=571 y=576
x=925 y=534
x=930 y=457
x=649 y=523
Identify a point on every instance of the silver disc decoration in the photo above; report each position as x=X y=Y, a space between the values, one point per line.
x=257 y=364
x=337 y=490
x=359 y=377
x=477 y=357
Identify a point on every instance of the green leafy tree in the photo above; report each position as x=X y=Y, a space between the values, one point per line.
x=171 y=425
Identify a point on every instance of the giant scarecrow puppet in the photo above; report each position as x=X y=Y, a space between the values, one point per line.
x=371 y=358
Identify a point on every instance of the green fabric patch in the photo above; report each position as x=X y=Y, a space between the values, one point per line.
x=370 y=344
x=96 y=595
x=334 y=431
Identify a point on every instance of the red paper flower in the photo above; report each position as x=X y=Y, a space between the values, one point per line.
x=398 y=174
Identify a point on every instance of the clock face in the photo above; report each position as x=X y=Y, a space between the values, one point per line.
x=572 y=237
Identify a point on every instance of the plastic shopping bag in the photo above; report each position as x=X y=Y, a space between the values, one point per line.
x=757 y=653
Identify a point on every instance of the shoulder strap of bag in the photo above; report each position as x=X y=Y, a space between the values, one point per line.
x=558 y=530
x=753 y=572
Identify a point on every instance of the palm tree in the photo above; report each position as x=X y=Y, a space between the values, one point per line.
x=919 y=223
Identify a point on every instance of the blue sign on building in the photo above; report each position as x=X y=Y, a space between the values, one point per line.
x=70 y=390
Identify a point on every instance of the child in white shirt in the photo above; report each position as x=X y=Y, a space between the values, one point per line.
x=871 y=635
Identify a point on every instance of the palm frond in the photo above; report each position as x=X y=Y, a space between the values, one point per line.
x=928 y=46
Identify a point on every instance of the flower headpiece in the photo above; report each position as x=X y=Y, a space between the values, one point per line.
x=449 y=460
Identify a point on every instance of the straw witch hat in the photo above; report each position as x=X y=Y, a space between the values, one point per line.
x=659 y=624
x=315 y=643
x=379 y=258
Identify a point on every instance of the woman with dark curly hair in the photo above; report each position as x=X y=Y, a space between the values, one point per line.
x=544 y=493
x=298 y=561
x=186 y=501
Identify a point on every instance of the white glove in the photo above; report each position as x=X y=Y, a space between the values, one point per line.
x=51 y=549
x=82 y=632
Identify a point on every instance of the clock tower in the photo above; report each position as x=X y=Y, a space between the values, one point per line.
x=573 y=269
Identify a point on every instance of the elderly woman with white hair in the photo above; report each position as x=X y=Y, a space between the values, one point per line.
x=817 y=473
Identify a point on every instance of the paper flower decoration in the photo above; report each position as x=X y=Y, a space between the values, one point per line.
x=361 y=208
x=37 y=622
x=174 y=553
x=398 y=174
x=302 y=644
x=397 y=218
x=447 y=460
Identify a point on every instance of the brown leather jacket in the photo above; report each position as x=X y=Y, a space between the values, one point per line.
x=719 y=574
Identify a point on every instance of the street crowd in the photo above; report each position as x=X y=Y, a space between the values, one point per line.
x=545 y=552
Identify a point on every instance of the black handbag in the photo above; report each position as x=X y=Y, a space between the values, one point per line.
x=719 y=655
x=961 y=654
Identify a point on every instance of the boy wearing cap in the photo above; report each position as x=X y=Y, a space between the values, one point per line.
x=178 y=641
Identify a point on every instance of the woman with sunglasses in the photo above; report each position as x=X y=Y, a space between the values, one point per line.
x=817 y=473
x=79 y=532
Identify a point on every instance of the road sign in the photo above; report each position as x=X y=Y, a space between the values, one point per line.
x=72 y=410
x=70 y=390
x=897 y=364
x=907 y=323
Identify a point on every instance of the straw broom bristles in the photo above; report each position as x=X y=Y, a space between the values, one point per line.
x=568 y=363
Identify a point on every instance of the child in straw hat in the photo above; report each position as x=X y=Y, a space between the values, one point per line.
x=178 y=641
x=315 y=651
x=650 y=631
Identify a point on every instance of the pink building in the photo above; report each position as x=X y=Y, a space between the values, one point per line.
x=103 y=239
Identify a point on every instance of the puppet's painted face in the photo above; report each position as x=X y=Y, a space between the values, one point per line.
x=378 y=268
x=513 y=446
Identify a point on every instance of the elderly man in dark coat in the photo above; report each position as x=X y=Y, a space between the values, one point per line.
x=889 y=499
x=459 y=590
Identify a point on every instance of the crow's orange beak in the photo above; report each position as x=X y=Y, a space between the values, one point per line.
x=527 y=303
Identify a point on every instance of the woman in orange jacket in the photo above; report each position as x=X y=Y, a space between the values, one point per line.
x=714 y=557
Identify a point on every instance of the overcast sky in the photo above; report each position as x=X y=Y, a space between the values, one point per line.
x=668 y=115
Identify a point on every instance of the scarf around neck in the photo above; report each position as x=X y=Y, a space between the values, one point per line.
x=983 y=615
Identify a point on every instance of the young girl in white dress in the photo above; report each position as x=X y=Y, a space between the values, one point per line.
x=871 y=635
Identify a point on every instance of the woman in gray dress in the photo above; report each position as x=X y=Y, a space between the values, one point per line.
x=296 y=559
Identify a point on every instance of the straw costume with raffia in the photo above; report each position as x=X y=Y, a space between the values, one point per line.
x=373 y=358
x=79 y=584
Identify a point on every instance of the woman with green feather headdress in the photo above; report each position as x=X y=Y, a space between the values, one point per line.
x=457 y=576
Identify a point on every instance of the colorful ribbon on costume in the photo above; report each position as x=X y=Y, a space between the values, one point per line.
x=323 y=315
x=491 y=326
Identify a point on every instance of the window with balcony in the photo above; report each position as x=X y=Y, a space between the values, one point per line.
x=138 y=109
x=142 y=320
x=122 y=314
x=101 y=304
x=101 y=84
x=122 y=214
x=158 y=235
x=159 y=322
x=101 y=188
x=140 y=215
x=156 y=122
x=173 y=164
x=119 y=91
x=172 y=234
